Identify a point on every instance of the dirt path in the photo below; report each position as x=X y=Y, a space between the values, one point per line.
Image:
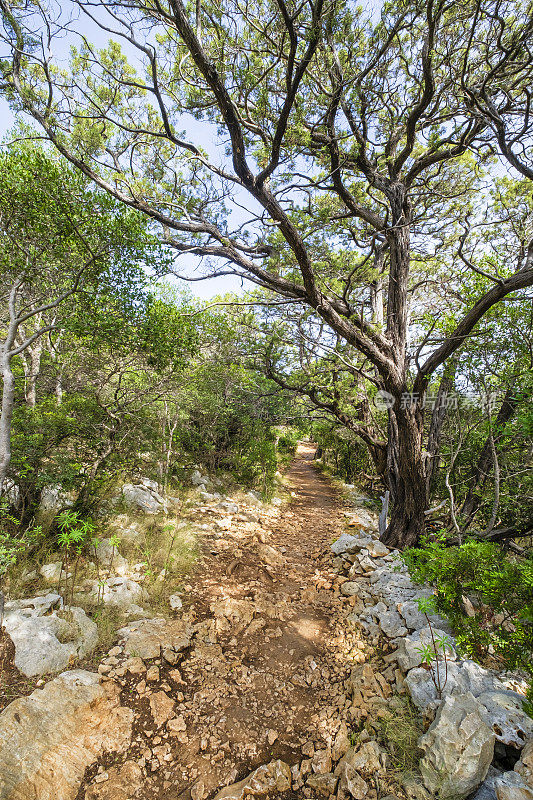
x=264 y=676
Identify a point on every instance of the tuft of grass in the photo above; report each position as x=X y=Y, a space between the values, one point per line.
x=399 y=731
x=108 y=620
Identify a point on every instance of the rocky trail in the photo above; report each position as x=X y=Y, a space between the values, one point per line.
x=283 y=673
x=262 y=676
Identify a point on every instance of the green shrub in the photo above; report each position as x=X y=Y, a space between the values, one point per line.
x=499 y=619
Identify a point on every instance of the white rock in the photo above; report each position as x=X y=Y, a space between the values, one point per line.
x=51 y=572
x=377 y=549
x=346 y=543
x=48 y=739
x=505 y=714
x=117 y=591
x=109 y=556
x=48 y=643
x=391 y=624
x=458 y=748
x=176 y=602
x=416 y=620
x=139 y=497
x=53 y=498
x=465 y=676
x=511 y=786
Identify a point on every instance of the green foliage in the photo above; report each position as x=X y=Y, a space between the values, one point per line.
x=500 y=588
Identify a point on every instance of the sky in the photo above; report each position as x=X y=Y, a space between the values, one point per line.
x=205 y=289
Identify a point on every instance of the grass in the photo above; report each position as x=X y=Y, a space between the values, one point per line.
x=399 y=729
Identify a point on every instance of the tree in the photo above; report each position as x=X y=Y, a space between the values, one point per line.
x=348 y=136
x=61 y=241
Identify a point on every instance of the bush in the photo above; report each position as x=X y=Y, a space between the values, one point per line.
x=486 y=594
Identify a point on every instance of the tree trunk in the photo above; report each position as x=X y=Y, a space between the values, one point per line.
x=407 y=477
x=33 y=373
x=6 y=415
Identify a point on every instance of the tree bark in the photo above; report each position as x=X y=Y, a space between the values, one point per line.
x=6 y=415
x=407 y=478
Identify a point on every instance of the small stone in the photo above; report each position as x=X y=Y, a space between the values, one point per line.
x=162 y=707
x=323 y=784
x=152 y=674
x=272 y=735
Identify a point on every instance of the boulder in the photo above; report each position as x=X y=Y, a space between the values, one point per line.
x=269 y=778
x=408 y=653
x=49 y=738
x=47 y=642
x=139 y=497
x=505 y=714
x=351 y=784
x=147 y=637
x=458 y=748
x=349 y=544
x=323 y=784
x=377 y=549
x=501 y=708
x=197 y=479
x=117 y=591
x=54 y=498
x=416 y=620
x=487 y=791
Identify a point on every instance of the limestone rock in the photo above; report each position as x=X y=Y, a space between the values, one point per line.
x=123 y=783
x=109 y=557
x=524 y=766
x=140 y=497
x=51 y=572
x=324 y=784
x=176 y=603
x=416 y=620
x=349 y=544
x=468 y=676
x=511 y=786
x=47 y=642
x=117 y=591
x=350 y=588
x=504 y=713
x=351 y=784
x=272 y=777
x=146 y=637
x=366 y=758
x=408 y=653
x=49 y=738
x=458 y=748
x=161 y=707
x=391 y=624
x=377 y=549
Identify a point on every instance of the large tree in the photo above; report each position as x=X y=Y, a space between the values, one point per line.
x=338 y=142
